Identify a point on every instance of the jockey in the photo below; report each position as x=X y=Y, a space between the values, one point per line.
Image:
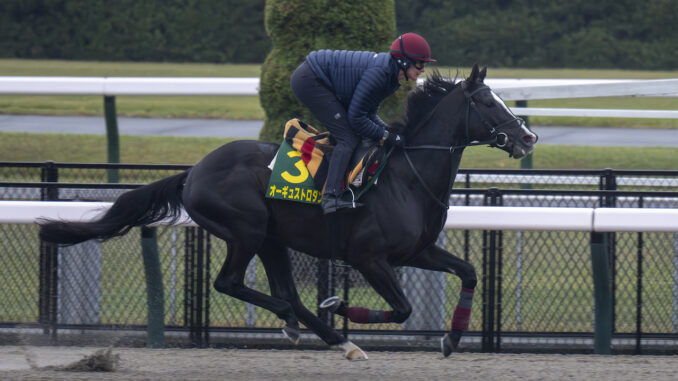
x=343 y=89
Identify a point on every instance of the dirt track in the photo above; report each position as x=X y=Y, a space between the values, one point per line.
x=251 y=365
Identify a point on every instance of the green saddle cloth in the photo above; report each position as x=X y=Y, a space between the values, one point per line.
x=299 y=168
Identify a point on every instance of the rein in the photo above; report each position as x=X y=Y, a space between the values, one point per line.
x=493 y=140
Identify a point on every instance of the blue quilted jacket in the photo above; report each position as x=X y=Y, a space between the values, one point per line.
x=361 y=81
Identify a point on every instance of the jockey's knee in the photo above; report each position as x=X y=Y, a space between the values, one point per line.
x=347 y=140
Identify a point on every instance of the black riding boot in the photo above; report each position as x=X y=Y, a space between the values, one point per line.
x=335 y=177
x=332 y=202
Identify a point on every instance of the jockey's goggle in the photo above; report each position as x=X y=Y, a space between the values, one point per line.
x=419 y=65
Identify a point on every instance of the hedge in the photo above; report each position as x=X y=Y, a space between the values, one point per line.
x=621 y=34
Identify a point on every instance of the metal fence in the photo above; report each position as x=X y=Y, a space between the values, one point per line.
x=535 y=289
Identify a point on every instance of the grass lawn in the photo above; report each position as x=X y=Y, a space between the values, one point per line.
x=550 y=291
x=248 y=107
x=189 y=150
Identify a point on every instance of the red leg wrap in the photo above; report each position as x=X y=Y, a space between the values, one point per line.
x=462 y=316
x=364 y=315
x=358 y=314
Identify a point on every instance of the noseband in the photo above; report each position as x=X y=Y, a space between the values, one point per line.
x=494 y=140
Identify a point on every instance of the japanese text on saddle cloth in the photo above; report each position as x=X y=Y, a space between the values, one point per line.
x=299 y=169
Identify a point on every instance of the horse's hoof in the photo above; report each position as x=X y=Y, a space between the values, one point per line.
x=456 y=337
x=446 y=345
x=352 y=352
x=292 y=333
x=450 y=342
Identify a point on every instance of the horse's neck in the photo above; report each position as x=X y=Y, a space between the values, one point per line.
x=438 y=167
x=445 y=126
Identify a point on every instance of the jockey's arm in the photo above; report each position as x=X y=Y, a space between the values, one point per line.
x=376 y=119
x=362 y=111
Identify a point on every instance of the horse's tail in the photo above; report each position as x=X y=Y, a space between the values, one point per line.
x=138 y=207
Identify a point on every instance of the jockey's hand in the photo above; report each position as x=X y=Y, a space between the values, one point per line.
x=393 y=139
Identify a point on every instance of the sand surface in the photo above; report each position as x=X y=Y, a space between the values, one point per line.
x=251 y=365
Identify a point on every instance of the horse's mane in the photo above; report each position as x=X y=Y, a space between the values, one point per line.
x=422 y=100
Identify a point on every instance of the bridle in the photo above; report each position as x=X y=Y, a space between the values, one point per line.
x=495 y=133
x=494 y=140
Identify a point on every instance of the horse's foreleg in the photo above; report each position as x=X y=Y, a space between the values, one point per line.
x=380 y=275
x=436 y=259
x=355 y=314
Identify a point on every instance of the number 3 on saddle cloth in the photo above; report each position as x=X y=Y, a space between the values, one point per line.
x=299 y=169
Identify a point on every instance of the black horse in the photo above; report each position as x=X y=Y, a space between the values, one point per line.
x=397 y=226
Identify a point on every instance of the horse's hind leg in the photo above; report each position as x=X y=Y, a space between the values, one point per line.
x=230 y=281
x=276 y=261
x=436 y=259
x=238 y=217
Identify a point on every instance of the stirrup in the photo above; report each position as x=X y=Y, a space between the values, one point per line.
x=348 y=204
x=332 y=203
x=355 y=204
x=331 y=303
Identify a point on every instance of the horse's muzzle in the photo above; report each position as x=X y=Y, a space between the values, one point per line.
x=524 y=145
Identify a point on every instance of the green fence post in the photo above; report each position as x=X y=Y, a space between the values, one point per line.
x=154 y=290
x=602 y=335
x=526 y=162
x=112 y=137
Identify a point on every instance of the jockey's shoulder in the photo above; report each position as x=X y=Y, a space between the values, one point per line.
x=340 y=59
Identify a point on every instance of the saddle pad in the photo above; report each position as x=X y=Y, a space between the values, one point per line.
x=313 y=147
x=290 y=178
x=299 y=168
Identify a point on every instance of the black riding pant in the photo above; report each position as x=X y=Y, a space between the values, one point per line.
x=325 y=106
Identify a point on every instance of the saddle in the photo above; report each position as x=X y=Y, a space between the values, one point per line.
x=312 y=150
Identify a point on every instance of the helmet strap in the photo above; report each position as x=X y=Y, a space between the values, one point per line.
x=403 y=65
x=404 y=62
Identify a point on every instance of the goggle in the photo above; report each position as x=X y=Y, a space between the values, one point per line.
x=419 y=65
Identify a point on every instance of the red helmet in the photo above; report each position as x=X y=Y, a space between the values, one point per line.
x=412 y=47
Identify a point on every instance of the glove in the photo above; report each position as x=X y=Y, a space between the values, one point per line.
x=393 y=139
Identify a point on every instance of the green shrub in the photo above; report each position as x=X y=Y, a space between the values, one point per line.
x=134 y=30
x=299 y=27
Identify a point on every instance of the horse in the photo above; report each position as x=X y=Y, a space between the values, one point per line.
x=397 y=225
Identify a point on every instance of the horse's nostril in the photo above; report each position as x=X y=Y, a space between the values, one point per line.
x=530 y=138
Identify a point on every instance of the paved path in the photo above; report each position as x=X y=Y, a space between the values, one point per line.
x=250 y=129
x=131 y=126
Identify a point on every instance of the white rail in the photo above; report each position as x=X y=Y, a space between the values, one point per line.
x=655 y=87
x=458 y=217
x=508 y=89
x=565 y=179
x=128 y=86
x=596 y=113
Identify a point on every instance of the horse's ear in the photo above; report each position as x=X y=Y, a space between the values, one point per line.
x=482 y=74
x=474 y=73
